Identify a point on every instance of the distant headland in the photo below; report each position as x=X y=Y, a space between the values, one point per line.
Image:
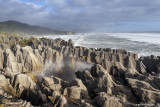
x=26 y=29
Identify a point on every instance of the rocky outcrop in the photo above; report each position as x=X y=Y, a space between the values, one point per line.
x=9 y=100
x=1 y=59
x=152 y=63
x=77 y=90
x=102 y=100
x=56 y=73
x=3 y=81
x=34 y=96
x=22 y=82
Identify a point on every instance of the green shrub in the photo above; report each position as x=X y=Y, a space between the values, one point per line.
x=25 y=42
x=6 y=34
x=28 y=42
x=22 y=43
x=44 y=38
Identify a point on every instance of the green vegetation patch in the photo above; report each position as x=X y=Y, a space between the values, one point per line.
x=8 y=38
x=28 y=42
x=6 y=34
x=46 y=39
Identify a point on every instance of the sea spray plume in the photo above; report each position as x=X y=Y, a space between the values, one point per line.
x=64 y=69
x=71 y=66
x=49 y=69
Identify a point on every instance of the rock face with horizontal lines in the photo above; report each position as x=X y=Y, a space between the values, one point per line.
x=50 y=72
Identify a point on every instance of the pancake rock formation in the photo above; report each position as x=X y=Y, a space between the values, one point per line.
x=46 y=72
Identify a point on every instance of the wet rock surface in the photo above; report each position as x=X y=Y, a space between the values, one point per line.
x=56 y=73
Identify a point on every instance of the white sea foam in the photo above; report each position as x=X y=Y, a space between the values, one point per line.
x=152 y=38
x=141 y=43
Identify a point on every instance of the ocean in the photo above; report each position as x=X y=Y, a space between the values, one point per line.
x=144 y=44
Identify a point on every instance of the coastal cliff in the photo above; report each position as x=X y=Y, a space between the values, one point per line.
x=46 y=72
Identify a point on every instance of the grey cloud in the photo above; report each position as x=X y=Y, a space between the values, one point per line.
x=80 y=15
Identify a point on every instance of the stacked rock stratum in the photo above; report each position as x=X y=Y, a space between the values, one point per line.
x=46 y=72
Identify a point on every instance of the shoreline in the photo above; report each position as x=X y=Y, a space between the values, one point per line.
x=143 y=45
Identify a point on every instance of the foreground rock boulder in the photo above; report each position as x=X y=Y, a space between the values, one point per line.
x=77 y=90
x=22 y=82
x=152 y=63
x=102 y=100
x=3 y=82
x=34 y=96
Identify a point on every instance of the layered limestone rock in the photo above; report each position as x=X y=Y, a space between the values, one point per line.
x=152 y=63
x=56 y=73
x=22 y=82
x=32 y=59
x=1 y=59
x=9 y=100
x=77 y=90
x=102 y=100
x=3 y=82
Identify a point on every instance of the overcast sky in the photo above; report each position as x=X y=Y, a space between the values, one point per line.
x=85 y=15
